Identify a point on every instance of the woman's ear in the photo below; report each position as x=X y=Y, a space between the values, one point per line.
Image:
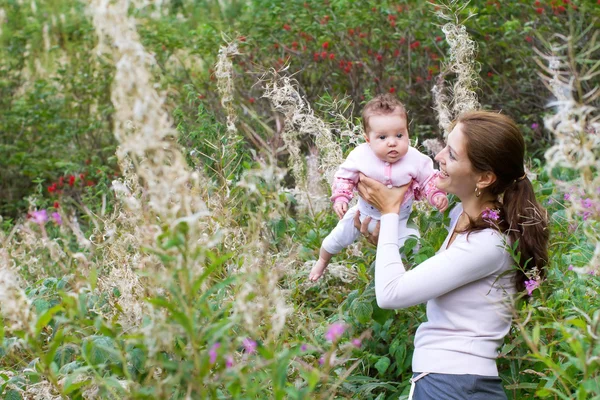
x=486 y=179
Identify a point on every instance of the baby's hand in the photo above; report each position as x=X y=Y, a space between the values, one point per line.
x=440 y=202
x=340 y=208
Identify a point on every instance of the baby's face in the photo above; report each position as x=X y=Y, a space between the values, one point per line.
x=388 y=136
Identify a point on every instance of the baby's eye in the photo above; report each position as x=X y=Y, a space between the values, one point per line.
x=382 y=137
x=399 y=136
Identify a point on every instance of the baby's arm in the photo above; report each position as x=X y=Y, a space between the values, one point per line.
x=427 y=178
x=344 y=181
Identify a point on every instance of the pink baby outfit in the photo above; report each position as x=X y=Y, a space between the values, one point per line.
x=414 y=166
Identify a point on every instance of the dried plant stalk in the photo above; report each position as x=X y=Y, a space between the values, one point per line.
x=575 y=125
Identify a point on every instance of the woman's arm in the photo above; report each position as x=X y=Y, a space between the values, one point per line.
x=464 y=262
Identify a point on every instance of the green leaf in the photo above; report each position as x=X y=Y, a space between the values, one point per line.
x=362 y=312
x=13 y=395
x=382 y=364
x=45 y=318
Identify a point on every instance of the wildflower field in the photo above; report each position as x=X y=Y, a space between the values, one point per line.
x=164 y=191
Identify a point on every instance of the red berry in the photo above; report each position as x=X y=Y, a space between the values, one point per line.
x=71 y=180
x=539 y=10
x=350 y=31
x=438 y=38
x=379 y=57
x=325 y=45
x=56 y=205
x=286 y=27
x=392 y=90
x=396 y=53
x=529 y=39
x=323 y=54
x=251 y=100
x=332 y=56
x=490 y=74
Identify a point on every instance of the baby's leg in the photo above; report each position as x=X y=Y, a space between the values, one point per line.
x=343 y=235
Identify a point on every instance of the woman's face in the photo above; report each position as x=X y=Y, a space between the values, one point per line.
x=456 y=171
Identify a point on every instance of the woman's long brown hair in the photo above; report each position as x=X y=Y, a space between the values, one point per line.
x=495 y=143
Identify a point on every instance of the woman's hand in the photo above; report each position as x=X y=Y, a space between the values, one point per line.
x=386 y=200
x=364 y=228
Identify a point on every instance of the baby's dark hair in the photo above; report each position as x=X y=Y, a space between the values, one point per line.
x=382 y=104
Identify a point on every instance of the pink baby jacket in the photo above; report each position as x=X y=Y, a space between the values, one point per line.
x=414 y=165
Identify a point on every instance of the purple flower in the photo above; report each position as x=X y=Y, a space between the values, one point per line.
x=335 y=331
x=249 y=345
x=570 y=267
x=229 y=361
x=213 y=352
x=535 y=125
x=356 y=343
x=57 y=218
x=531 y=285
x=492 y=215
x=39 y=217
x=303 y=347
x=587 y=203
x=550 y=200
x=567 y=196
x=322 y=360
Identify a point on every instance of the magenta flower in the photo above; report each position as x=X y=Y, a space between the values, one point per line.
x=567 y=196
x=587 y=203
x=249 y=345
x=213 y=352
x=229 y=361
x=57 y=218
x=335 y=331
x=322 y=360
x=570 y=267
x=39 y=217
x=356 y=343
x=535 y=125
x=492 y=215
x=303 y=347
x=531 y=285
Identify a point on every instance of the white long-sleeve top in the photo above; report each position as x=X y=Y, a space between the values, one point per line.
x=467 y=286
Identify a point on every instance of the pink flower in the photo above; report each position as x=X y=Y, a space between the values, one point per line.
x=535 y=125
x=39 y=217
x=229 y=361
x=587 y=203
x=335 y=331
x=489 y=214
x=531 y=285
x=567 y=196
x=249 y=345
x=356 y=343
x=213 y=352
x=57 y=218
x=322 y=360
x=570 y=267
x=303 y=347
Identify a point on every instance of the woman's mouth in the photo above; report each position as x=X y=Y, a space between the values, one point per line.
x=443 y=174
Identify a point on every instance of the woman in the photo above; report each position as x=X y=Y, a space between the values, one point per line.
x=469 y=283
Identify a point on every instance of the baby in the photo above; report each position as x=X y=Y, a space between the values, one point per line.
x=387 y=157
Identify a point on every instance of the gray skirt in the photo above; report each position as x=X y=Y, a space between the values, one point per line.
x=457 y=387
